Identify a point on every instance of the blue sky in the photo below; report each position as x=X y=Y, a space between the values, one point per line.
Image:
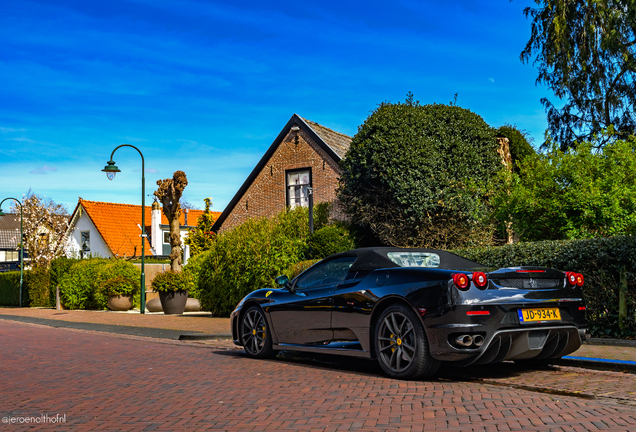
x=206 y=86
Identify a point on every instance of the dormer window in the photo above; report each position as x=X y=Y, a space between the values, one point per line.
x=297 y=182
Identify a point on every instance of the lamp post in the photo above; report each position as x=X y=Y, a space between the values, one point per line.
x=21 y=241
x=111 y=169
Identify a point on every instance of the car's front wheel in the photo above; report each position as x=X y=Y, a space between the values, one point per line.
x=401 y=345
x=255 y=334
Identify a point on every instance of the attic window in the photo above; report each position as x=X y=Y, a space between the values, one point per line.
x=297 y=182
x=86 y=241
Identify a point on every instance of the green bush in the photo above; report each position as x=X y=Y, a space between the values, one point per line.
x=37 y=281
x=59 y=267
x=329 y=240
x=10 y=288
x=601 y=261
x=172 y=281
x=119 y=286
x=251 y=256
x=420 y=175
x=79 y=286
x=193 y=268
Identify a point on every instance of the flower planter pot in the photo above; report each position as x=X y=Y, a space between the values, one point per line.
x=154 y=305
x=173 y=302
x=120 y=302
x=192 y=305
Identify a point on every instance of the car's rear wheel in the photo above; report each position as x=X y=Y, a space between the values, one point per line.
x=255 y=334
x=401 y=345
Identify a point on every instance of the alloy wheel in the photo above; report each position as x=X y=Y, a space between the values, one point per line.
x=397 y=343
x=254 y=332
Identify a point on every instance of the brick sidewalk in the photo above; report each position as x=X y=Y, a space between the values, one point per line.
x=199 y=322
x=108 y=382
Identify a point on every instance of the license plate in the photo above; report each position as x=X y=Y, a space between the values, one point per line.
x=539 y=315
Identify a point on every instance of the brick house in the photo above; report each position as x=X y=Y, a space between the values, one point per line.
x=304 y=154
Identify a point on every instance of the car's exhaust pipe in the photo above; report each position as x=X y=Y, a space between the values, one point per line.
x=584 y=334
x=464 y=340
x=478 y=340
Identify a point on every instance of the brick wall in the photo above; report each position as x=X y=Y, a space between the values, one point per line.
x=266 y=195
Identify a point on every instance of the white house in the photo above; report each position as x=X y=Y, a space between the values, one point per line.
x=113 y=230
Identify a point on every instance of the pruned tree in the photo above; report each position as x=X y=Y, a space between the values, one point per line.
x=45 y=223
x=169 y=193
x=586 y=54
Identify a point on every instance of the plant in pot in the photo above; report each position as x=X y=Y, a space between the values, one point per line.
x=120 y=291
x=173 y=291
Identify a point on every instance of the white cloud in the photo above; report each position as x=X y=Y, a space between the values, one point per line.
x=43 y=171
x=7 y=130
x=492 y=80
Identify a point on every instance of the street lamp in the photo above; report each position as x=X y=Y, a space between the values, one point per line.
x=111 y=169
x=21 y=241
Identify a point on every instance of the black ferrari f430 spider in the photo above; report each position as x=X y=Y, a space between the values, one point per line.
x=412 y=309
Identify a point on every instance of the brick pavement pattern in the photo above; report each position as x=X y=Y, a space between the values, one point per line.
x=107 y=382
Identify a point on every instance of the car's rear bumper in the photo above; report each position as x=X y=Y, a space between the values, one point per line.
x=517 y=344
x=501 y=335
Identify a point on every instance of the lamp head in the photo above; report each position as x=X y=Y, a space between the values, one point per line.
x=111 y=169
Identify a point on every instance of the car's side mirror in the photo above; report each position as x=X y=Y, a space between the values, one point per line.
x=282 y=280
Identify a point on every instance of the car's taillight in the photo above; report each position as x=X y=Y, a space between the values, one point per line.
x=480 y=279
x=575 y=279
x=580 y=280
x=571 y=277
x=461 y=281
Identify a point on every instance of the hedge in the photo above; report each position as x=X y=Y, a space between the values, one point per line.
x=193 y=268
x=601 y=261
x=59 y=267
x=35 y=288
x=329 y=240
x=10 y=288
x=251 y=256
x=37 y=282
x=79 y=287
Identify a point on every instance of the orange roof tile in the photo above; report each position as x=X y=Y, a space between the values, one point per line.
x=120 y=224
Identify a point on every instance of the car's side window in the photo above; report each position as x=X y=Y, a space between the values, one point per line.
x=329 y=273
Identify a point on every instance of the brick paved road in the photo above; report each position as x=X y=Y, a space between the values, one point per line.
x=108 y=382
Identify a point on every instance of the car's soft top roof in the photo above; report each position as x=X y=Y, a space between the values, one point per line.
x=376 y=257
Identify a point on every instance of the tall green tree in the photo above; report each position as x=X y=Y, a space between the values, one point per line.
x=518 y=142
x=585 y=51
x=572 y=194
x=200 y=238
x=418 y=175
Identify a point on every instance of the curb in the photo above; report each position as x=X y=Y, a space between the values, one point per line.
x=598 y=364
x=610 y=342
x=195 y=337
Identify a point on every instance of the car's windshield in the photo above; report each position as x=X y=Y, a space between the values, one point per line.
x=414 y=259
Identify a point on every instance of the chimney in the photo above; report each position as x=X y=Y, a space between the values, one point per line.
x=155 y=229
x=185 y=222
